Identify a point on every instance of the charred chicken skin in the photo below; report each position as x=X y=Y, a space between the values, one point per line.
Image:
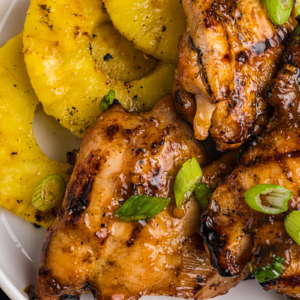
x=88 y=249
x=228 y=54
x=234 y=233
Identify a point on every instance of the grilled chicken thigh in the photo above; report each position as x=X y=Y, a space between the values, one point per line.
x=233 y=232
x=228 y=54
x=87 y=248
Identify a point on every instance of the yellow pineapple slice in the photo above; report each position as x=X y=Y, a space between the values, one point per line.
x=153 y=26
x=74 y=56
x=23 y=164
x=127 y=63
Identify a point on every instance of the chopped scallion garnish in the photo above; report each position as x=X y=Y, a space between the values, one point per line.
x=107 y=100
x=292 y=225
x=268 y=198
x=279 y=10
x=186 y=179
x=49 y=192
x=141 y=207
x=203 y=193
x=270 y=271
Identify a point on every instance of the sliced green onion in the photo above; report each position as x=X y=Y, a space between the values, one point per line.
x=292 y=225
x=186 y=179
x=203 y=193
x=141 y=207
x=107 y=100
x=103 y=105
x=49 y=192
x=279 y=10
x=270 y=271
x=276 y=198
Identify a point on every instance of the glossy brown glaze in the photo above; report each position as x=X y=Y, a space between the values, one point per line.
x=88 y=249
x=234 y=233
x=184 y=102
x=227 y=56
x=216 y=171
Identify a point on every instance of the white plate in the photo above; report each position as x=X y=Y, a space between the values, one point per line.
x=20 y=242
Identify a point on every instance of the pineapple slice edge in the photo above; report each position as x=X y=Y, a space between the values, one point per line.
x=153 y=26
x=23 y=164
x=67 y=66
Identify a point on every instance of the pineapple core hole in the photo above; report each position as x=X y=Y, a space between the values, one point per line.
x=117 y=57
x=54 y=140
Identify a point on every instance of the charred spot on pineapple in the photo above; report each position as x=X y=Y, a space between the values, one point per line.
x=107 y=59
x=145 y=23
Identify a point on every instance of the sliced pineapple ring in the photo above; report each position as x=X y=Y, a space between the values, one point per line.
x=153 y=26
x=23 y=164
x=74 y=56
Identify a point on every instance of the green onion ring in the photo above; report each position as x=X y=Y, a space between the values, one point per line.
x=185 y=181
x=49 y=192
x=277 y=198
x=292 y=225
x=279 y=10
x=107 y=100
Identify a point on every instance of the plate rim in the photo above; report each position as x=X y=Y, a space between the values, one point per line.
x=9 y=288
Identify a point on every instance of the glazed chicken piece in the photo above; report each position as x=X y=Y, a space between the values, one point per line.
x=88 y=249
x=234 y=233
x=228 y=54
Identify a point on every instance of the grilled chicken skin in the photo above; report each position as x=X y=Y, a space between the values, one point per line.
x=234 y=233
x=88 y=249
x=228 y=54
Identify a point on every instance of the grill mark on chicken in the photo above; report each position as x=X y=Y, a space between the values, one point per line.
x=273 y=158
x=219 y=31
x=133 y=259
x=215 y=243
x=77 y=204
x=208 y=88
x=192 y=45
x=204 y=73
x=134 y=234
